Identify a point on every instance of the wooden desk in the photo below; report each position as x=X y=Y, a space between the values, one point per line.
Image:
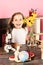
x=33 y=62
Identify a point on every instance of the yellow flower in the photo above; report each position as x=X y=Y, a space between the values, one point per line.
x=30 y=20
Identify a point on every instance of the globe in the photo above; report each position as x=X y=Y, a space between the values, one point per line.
x=23 y=56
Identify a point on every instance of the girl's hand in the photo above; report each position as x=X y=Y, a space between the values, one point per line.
x=28 y=37
x=18 y=48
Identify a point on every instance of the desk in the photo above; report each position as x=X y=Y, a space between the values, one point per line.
x=33 y=62
x=5 y=61
x=36 y=61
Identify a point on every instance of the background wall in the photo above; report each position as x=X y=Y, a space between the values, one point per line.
x=8 y=7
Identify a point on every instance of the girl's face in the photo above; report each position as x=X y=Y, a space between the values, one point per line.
x=18 y=21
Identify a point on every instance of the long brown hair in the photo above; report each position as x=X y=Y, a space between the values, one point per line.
x=11 y=25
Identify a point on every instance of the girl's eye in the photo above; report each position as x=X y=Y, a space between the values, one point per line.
x=15 y=19
x=20 y=19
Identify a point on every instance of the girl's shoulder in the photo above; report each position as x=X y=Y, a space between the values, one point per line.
x=20 y=30
x=25 y=30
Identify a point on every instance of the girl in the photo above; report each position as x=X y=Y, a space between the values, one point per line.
x=18 y=30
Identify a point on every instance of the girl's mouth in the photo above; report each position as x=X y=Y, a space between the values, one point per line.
x=18 y=24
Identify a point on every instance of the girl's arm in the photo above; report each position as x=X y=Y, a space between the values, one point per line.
x=13 y=36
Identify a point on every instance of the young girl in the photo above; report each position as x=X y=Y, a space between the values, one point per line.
x=18 y=30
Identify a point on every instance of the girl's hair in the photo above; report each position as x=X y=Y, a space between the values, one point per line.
x=11 y=25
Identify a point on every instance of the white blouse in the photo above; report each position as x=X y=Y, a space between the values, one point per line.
x=19 y=35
